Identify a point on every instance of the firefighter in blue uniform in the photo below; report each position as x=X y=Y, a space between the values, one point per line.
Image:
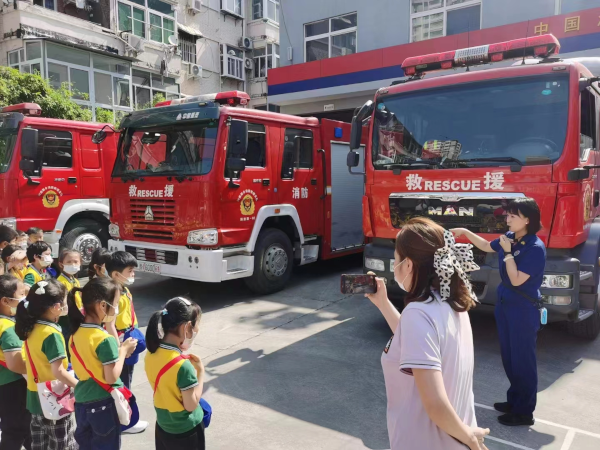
x=522 y=259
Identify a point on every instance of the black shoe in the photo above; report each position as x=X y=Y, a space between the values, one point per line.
x=502 y=407
x=514 y=420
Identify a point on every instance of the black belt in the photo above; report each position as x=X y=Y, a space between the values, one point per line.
x=536 y=302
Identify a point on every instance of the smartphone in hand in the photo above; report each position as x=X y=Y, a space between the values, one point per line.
x=358 y=284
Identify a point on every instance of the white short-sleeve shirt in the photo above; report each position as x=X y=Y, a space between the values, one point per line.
x=430 y=335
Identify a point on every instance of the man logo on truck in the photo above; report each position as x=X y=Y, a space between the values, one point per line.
x=51 y=199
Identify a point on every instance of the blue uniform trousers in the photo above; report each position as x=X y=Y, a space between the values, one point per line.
x=518 y=322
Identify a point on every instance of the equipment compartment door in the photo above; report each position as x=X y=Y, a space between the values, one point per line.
x=347 y=191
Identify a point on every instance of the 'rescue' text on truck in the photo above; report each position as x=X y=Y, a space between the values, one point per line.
x=53 y=176
x=458 y=147
x=205 y=189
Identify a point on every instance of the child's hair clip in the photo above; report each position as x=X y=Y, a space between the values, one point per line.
x=164 y=312
x=41 y=285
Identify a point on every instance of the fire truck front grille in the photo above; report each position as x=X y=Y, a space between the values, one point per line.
x=150 y=255
x=152 y=218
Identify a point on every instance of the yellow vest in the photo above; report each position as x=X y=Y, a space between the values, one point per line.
x=123 y=321
x=41 y=330
x=18 y=274
x=70 y=283
x=167 y=396
x=37 y=277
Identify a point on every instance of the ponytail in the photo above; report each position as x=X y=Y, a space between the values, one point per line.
x=175 y=312
x=76 y=317
x=36 y=305
x=152 y=339
x=24 y=321
x=99 y=258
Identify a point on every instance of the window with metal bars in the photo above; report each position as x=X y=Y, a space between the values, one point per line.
x=187 y=47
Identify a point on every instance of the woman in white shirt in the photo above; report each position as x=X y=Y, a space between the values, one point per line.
x=428 y=362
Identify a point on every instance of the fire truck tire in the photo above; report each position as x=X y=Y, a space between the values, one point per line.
x=85 y=236
x=273 y=261
x=586 y=329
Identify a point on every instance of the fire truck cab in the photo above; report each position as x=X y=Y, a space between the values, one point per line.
x=52 y=176
x=207 y=190
x=470 y=139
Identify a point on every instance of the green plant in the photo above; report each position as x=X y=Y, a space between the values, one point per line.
x=158 y=97
x=17 y=87
x=105 y=116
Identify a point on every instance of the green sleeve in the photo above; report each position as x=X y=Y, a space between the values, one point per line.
x=54 y=348
x=29 y=280
x=9 y=341
x=186 y=377
x=108 y=351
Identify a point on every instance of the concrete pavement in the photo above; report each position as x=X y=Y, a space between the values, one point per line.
x=300 y=369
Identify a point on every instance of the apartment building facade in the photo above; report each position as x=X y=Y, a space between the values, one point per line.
x=120 y=55
x=335 y=54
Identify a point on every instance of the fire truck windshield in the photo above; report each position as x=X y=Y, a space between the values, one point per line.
x=483 y=123
x=170 y=150
x=8 y=138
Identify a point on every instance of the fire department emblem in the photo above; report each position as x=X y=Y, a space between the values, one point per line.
x=248 y=199
x=149 y=215
x=50 y=199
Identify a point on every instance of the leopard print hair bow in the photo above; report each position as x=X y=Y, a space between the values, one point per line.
x=454 y=258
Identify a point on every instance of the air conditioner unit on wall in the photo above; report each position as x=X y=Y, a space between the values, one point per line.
x=134 y=42
x=248 y=64
x=245 y=43
x=195 y=71
x=195 y=6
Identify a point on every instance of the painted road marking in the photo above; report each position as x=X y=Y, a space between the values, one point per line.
x=569 y=438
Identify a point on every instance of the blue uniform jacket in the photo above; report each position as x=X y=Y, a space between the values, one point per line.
x=530 y=257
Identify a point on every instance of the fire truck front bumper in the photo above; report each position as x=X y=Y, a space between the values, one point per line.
x=573 y=303
x=211 y=266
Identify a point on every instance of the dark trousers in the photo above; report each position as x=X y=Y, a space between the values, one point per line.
x=192 y=440
x=127 y=375
x=518 y=322
x=14 y=416
x=98 y=426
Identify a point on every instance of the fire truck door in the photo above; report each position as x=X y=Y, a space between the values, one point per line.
x=301 y=179
x=55 y=179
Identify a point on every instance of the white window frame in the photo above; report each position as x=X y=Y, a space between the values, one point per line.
x=91 y=103
x=225 y=7
x=152 y=89
x=264 y=12
x=191 y=45
x=147 y=26
x=239 y=62
x=131 y=6
x=262 y=59
x=444 y=10
x=330 y=34
x=19 y=66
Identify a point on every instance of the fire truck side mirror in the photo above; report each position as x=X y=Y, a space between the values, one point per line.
x=29 y=144
x=238 y=138
x=580 y=173
x=235 y=164
x=352 y=159
x=357 y=124
x=99 y=136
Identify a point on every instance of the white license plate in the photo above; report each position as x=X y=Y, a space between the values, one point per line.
x=149 y=267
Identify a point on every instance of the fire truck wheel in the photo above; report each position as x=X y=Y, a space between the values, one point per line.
x=586 y=329
x=273 y=261
x=85 y=236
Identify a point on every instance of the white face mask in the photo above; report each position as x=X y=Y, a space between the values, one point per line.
x=72 y=269
x=127 y=281
x=110 y=318
x=188 y=342
x=23 y=246
x=13 y=309
x=400 y=283
x=46 y=260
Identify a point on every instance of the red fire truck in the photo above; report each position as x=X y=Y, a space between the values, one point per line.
x=53 y=176
x=510 y=131
x=205 y=189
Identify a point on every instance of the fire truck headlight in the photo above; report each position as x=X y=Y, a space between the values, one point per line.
x=374 y=264
x=113 y=230
x=203 y=237
x=557 y=281
x=10 y=222
x=556 y=300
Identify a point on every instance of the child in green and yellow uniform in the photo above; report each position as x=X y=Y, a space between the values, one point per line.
x=99 y=349
x=15 y=260
x=40 y=257
x=14 y=417
x=69 y=263
x=176 y=397
x=121 y=268
x=36 y=324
